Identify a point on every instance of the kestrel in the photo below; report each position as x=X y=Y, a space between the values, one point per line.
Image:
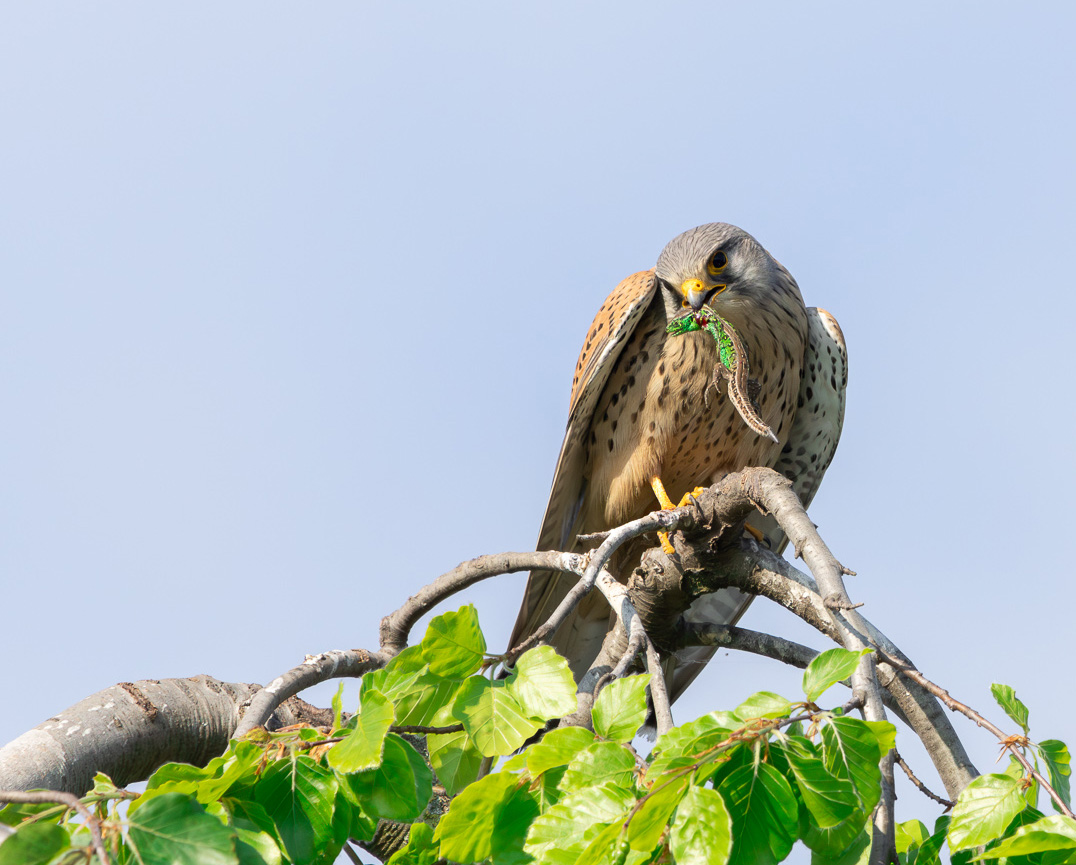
x=639 y=423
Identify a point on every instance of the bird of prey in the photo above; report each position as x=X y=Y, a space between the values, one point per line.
x=639 y=422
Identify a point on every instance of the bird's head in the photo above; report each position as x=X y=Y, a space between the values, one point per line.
x=716 y=264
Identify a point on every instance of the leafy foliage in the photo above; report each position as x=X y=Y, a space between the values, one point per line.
x=730 y=787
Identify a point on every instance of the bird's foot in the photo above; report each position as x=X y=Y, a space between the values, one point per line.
x=667 y=505
x=687 y=498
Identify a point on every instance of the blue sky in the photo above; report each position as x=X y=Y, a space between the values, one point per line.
x=291 y=301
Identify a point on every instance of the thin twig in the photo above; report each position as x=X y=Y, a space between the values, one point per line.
x=636 y=642
x=59 y=797
x=351 y=854
x=665 y=521
x=966 y=710
x=745 y=640
x=419 y=730
x=658 y=693
x=919 y=784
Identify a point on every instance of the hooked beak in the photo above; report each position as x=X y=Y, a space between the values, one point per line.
x=696 y=293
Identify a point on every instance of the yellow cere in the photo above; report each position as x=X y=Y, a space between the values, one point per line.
x=689 y=285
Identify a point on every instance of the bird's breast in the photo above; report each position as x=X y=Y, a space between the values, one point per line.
x=653 y=419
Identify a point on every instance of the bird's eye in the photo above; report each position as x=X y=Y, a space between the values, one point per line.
x=717 y=262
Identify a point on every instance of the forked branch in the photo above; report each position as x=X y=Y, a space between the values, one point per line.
x=712 y=554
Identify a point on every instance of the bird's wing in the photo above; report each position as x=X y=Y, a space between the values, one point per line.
x=611 y=328
x=812 y=441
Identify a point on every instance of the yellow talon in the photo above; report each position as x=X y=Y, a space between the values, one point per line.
x=686 y=500
x=755 y=533
x=666 y=505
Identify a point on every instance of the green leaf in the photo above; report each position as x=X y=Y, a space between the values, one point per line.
x=1015 y=770
x=850 y=750
x=399 y=788
x=1055 y=754
x=516 y=763
x=726 y=761
x=1006 y=698
x=561 y=834
x=557 y=748
x=205 y=783
x=649 y=822
x=764 y=812
x=855 y=852
x=910 y=835
x=426 y=696
x=829 y=844
x=254 y=827
x=361 y=826
x=885 y=734
x=829 y=798
x=547 y=790
x=172 y=778
x=174 y=829
x=827 y=669
x=1056 y=832
x=983 y=810
x=454 y=645
x=691 y=739
x=929 y=852
x=257 y=848
x=34 y=844
x=420 y=848
x=492 y=717
x=398 y=676
x=621 y=709
x=608 y=847
x=511 y=825
x=343 y=821
x=455 y=759
x=14 y=813
x=103 y=786
x=361 y=748
x=764 y=704
x=338 y=706
x=299 y=795
x=466 y=831
x=701 y=832
x=597 y=764
x=543 y=685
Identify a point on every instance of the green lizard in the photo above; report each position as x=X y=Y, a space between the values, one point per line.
x=732 y=366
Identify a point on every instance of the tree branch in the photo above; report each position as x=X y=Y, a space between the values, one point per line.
x=711 y=562
x=314 y=670
x=130 y=729
x=396 y=627
x=1010 y=743
x=920 y=785
x=744 y=640
x=658 y=694
x=711 y=555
